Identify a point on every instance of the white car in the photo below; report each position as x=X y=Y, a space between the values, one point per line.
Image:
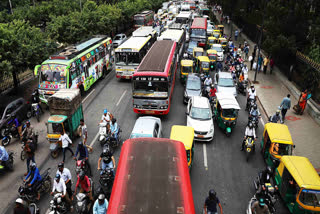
x=119 y=39
x=210 y=29
x=199 y=117
x=225 y=83
x=147 y=126
x=219 y=50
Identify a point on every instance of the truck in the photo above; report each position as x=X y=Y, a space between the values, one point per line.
x=65 y=114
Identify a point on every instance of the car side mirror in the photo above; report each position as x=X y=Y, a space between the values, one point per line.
x=187 y=113
x=294 y=146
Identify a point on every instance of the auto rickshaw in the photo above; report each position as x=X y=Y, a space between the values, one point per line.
x=299 y=184
x=211 y=40
x=184 y=134
x=216 y=33
x=186 y=67
x=212 y=55
x=202 y=64
x=221 y=28
x=223 y=42
x=197 y=52
x=226 y=111
x=276 y=142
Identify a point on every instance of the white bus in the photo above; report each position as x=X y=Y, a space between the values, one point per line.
x=177 y=36
x=145 y=31
x=184 y=17
x=129 y=55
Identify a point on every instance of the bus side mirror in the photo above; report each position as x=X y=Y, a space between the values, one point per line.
x=36 y=70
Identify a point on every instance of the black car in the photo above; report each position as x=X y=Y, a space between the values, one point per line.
x=11 y=105
x=192 y=88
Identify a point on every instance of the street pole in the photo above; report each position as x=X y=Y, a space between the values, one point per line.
x=259 y=45
x=10 y=7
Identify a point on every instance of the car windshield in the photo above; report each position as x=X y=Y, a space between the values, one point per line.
x=225 y=82
x=53 y=73
x=230 y=113
x=54 y=128
x=198 y=53
x=200 y=113
x=139 y=21
x=198 y=32
x=211 y=41
x=133 y=135
x=191 y=45
x=212 y=57
x=186 y=69
x=310 y=197
x=117 y=38
x=205 y=64
x=193 y=84
x=218 y=49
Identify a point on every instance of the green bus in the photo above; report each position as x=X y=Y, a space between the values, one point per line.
x=76 y=66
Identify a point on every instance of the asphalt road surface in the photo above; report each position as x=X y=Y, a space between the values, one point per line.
x=218 y=164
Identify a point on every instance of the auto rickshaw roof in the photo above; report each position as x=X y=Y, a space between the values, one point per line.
x=186 y=62
x=223 y=39
x=57 y=118
x=184 y=134
x=216 y=31
x=227 y=100
x=212 y=38
x=197 y=49
x=220 y=25
x=204 y=58
x=278 y=133
x=302 y=171
x=211 y=51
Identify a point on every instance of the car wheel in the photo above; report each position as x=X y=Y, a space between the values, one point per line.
x=6 y=141
x=29 y=114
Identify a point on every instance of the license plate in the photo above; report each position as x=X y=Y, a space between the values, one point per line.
x=200 y=136
x=149 y=112
x=127 y=77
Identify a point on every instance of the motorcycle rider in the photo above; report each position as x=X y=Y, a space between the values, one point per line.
x=4 y=156
x=250 y=132
x=251 y=95
x=255 y=111
x=266 y=175
x=60 y=187
x=207 y=83
x=219 y=66
x=36 y=99
x=100 y=205
x=83 y=154
x=114 y=129
x=67 y=178
x=30 y=152
x=106 y=116
x=15 y=123
x=212 y=93
x=276 y=117
x=28 y=132
x=259 y=207
x=20 y=208
x=33 y=178
x=211 y=202
x=107 y=160
x=85 y=185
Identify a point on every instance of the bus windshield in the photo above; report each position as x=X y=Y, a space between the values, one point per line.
x=150 y=88
x=127 y=58
x=53 y=73
x=139 y=20
x=198 y=32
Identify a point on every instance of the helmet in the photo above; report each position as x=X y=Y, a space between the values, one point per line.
x=114 y=120
x=261 y=202
x=19 y=200
x=101 y=197
x=278 y=112
x=105 y=111
x=33 y=166
x=28 y=122
x=250 y=125
x=212 y=193
x=57 y=176
x=13 y=115
x=255 y=106
x=106 y=151
x=61 y=165
x=81 y=175
x=269 y=169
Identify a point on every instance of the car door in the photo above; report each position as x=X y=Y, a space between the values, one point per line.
x=20 y=109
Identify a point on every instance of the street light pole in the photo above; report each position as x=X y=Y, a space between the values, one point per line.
x=10 y=7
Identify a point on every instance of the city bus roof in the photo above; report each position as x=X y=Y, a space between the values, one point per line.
x=144 y=31
x=157 y=59
x=143 y=13
x=133 y=44
x=200 y=23
x=172 y=34
x=152 y=177
x=184 y=14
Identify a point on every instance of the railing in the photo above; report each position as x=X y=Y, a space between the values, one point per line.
x=308 y=61
x=6 y=82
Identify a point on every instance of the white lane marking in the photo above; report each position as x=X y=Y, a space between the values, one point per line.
x=262 y=121
x=205 y=160
x=121 y=97
x=88 y=95
x=94 y=139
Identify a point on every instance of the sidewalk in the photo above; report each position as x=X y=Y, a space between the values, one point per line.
x=271 y=89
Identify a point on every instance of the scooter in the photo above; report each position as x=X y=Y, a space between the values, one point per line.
x=33 y=208
x=36 y=111
x=82 y=166
x=83 y=203
x=102 y=133
x=58 y=205
x=249 y=147
x=270 y=197
x=8 y=165
x=242 y=87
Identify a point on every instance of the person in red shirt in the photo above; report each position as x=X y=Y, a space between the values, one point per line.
x=271 y=65
x=212 y=94
x=85 y=186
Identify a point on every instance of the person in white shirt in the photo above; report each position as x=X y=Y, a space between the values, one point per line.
x=105 y=117
x=65 y=141
x=66 y=177
x=250 y=132
x=208 y=81
x=251 y=95
x=60 y=187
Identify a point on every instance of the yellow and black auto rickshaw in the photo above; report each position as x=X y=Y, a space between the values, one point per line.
x=184 y=134
x=221 y=28
x=276 y=142
x=186 y=67
x=211 y=40
x=216 y=33
x=202 y=64
x=224 y=43
x=197 y=52
x=299 y=185
x=212 y=55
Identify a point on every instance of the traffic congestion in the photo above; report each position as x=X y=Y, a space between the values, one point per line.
x=164 y=120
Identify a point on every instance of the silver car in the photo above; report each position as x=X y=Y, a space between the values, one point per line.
x=147 y=126
x=193 y=87
x=225 y=83
x=119 y=39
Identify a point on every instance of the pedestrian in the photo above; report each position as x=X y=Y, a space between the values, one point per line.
x=271 y=65
x=260 y=60
x=253 y=58
x=236 y=34
x=65 y=140
x=246 y=52
x=285 y=105
x=265 y=64
x=302 y=102
x=211 y=202
x=255 y=49
x=83 y=133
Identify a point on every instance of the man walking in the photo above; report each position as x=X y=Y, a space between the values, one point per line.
x=236 y=34
x=252 y=59
x=285 y=105
x=271 y=65
x=83 y=132
x=65 y=140
x=265 y=64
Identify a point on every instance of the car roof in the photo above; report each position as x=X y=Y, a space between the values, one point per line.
x=225 y=75
x=5 y=100
x=217 y=45
x=145 y=125
x=199 y=102
x=193 y=76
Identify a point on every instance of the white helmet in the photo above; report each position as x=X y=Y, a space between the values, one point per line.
x=19 y=200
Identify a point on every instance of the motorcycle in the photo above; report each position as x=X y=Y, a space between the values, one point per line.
x=249 y=147
x=33 y=208
x=238 y=70
x=28 y=194
x=254 y=120
x=250 y=104
x=113 y=142
x=10 y=132
x=34 y=140
x=242 y=87
x=84 y=204
x=8 y=165
x=102 y=133
x=36 y=111
x=82 y=166
x=106 y=182
x=270 y=198
x=58 y=205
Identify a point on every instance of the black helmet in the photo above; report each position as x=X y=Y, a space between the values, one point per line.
x=61 y=165
x=13 y=115
x=81 y=175
x=106 y=151
x=212 y=193
x=114 y=120
x=269 y=169
x=250 y=125
x=255 y=106
x=33 y=166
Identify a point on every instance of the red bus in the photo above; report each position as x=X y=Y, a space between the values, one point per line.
x=144 y=18
x=152 y=177
x=199 y=31
x=153 y=81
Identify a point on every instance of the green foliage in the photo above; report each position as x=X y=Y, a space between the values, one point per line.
x=314 y=53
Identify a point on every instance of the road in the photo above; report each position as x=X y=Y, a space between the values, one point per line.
x=219 y=164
